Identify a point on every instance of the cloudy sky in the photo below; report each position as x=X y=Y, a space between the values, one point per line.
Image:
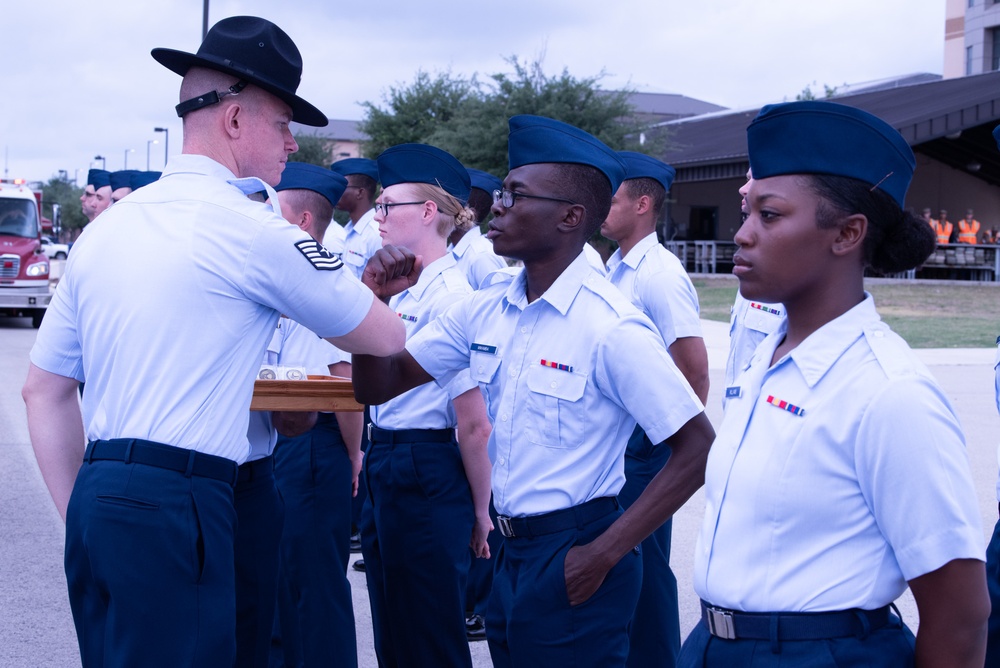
x=77 y=79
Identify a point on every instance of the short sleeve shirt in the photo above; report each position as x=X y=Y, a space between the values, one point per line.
x=749 y=323
x=655 y=281
x=360 y=242
x=565 y=379
x=169 y=338
x=428 y=406
x=475 y=257
x=838 y=474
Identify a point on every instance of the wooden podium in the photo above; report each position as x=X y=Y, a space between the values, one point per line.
x=317 y=393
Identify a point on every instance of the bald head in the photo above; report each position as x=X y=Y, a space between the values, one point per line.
x=246 y=132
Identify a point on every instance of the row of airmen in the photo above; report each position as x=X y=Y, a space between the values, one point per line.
x=837 y=478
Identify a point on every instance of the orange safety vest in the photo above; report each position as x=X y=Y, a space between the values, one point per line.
x=943 y=232
x=967 y=231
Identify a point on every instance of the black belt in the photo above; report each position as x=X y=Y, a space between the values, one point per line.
x=255 y=469
x=161 y=456
x=735 y=625
x=575 y=517
x=377 y=435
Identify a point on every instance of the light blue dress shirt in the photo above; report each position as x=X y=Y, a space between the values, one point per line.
x=475 y=257
x=361 y=240
x=563 y=377
x=836 y=476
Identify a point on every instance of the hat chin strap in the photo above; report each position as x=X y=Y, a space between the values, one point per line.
x=209 y=98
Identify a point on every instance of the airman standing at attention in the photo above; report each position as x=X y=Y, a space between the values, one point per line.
x=564 y=362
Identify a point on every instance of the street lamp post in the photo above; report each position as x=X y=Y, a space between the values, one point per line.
x=101 y=158
x=127 y=151
x=148 y=144
x=166 y=143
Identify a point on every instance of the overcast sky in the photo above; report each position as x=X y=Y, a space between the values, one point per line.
x=78 y=81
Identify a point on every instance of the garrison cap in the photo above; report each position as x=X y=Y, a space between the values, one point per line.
x=122 y=179
x=254 y=50
x=140 y=179
x=422 y=163
x=536 y=139
x=827 y=138
x=303 y=176
x=642 y=166
x=363 y=166
x=484 y=180
x=98 y=178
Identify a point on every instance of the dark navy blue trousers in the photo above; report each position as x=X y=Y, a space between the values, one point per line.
x=315 y=609
x=150 y=566
x=259 y=515
x=889 y=647
x=993 y=582
x=655 y=632
x=477 y=593
x=529 y=621
x=415 y=532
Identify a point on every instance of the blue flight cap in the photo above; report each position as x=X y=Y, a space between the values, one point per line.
x=122 y=179
x=536 y=139
x=98 y=178
x=349 y=166
x=996 y=136
x=303 y=176
x=484 y=180
x=140 y=179
x=828 y=138
x=422 y=163
x=642 y=166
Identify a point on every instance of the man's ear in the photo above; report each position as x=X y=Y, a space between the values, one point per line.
x=643 y=204
x=232 y=119
x=304 y=222
x=851 y=236
x=573 y=218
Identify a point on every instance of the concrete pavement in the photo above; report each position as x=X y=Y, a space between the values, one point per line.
x=35 y=622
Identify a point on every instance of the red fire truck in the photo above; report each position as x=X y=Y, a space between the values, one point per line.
x=24 y=269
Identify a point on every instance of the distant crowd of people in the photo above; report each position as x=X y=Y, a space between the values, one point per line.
x=968 y=230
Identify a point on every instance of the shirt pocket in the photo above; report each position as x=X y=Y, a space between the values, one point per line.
x=483 y=368
x=555 y=416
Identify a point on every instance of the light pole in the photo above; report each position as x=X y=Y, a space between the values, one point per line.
x=127 y=151
x=148 y=144
x=101 y=158
x=166 y=143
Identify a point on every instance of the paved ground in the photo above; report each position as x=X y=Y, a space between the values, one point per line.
x=35 y=623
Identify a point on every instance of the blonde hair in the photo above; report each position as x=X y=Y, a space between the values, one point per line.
x=454 y=214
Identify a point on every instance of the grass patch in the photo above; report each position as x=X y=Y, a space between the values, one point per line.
x=927 y=314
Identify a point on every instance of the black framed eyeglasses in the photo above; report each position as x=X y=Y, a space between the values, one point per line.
x=382 y=208
x=508 y=197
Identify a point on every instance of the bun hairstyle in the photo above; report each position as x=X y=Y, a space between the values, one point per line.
x=454 y=214
x=896 y=240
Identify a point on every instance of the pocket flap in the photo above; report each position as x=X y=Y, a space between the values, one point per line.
x=556 y=383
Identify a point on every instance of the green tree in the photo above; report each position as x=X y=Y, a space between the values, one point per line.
x=312 y=149
x=414 y=112
x=468 y=117
x=61 y=191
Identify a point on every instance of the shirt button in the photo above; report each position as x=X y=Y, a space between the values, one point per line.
x=524 y=330
x=879 y=334
x=480 y=369
x=513 y=373
x=553 y=385
x=504 y=417
x=501 y=461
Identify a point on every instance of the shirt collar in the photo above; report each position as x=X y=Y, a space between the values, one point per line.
x=561 y=293
x=465 y=243
x=359 y=227
x=824 y=347
x=634 y=257
x=428 y=274
x=190 y=163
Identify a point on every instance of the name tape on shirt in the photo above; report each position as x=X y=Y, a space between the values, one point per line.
x=483 y=348
x=734 y=392
x=320 y=257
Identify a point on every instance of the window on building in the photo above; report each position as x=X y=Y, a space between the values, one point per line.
x=968 y=60
x=995 y=51
x=972 y=3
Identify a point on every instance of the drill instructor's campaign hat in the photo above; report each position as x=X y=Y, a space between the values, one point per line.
x=256 y=51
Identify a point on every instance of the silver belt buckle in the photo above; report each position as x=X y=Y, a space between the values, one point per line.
x=505 y=528
x=369 y=432
x=720 y=623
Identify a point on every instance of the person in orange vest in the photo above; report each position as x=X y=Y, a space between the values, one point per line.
x=943 y=228
x=968 y=229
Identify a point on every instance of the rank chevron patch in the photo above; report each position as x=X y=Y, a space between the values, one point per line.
x=320 y=257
